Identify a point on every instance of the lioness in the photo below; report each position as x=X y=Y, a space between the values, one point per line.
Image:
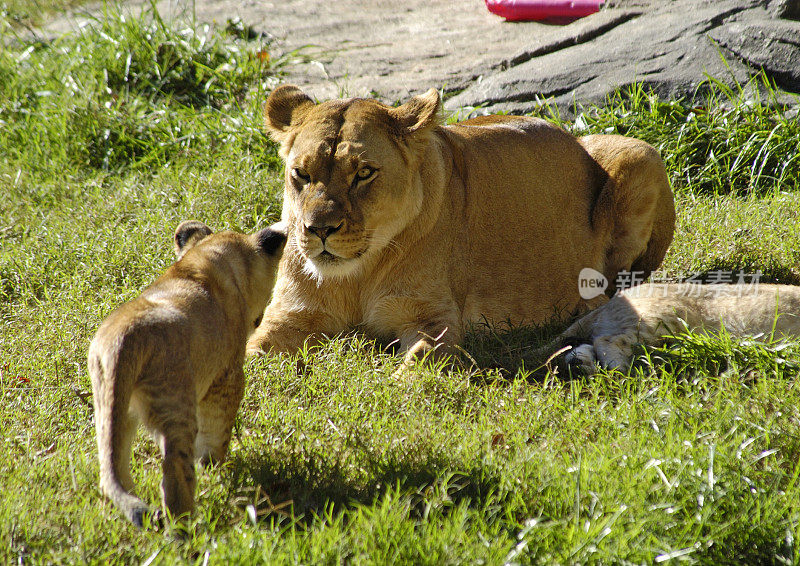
x=410 y=231
x=649 y=313
x=173 y=358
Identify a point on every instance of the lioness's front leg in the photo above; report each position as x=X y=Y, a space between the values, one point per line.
x=422 y=344
x=429 y=339
x=287 y=331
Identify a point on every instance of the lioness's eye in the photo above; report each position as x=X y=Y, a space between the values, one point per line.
x=365 y=173
x=301 y=174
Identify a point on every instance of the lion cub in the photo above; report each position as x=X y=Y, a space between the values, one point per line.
x=173 y=357
x=648 y=313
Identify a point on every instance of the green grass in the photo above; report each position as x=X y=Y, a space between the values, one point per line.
x=692 y=459
x=738 y=141
x=16 y=14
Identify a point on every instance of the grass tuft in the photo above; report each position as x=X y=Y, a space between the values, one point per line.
x=743 y=140
x=131 y=92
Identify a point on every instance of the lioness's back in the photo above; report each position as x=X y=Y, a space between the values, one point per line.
x=512 y=172
x=516 y=192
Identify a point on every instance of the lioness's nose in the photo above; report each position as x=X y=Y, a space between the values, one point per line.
x=322 y=232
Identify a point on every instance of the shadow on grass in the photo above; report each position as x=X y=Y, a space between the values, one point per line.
x=759 y=547
x=301 y=485
x=772 y=271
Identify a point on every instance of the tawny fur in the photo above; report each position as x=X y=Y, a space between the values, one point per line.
x=172 y=359
x=412 y=231
x=646 y=314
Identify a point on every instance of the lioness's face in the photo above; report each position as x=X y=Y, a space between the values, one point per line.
x=349 y=192
x=350 y=183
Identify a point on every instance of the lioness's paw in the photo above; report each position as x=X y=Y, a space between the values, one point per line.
x=254 y=349
x=405 y=372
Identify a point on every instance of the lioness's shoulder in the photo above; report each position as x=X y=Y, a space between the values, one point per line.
x=498 y=120
x=499 y=128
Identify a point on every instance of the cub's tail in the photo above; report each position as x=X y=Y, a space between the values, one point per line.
x=112 y=387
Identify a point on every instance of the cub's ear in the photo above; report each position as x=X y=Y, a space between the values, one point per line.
x=272 y=239
x=420 y=113
x=286 y=106
x=188 y=234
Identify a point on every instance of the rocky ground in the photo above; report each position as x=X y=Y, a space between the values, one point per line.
x=392 y=50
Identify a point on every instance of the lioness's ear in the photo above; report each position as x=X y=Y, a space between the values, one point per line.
x=285 y=107
x=188 y=234
x=419 y=113
x=272 y=239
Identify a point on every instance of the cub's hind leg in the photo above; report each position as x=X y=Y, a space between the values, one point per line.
x=173 y=420
x=615 y=352
x=611 y=352
x=582 y=358
x=216 y=414
x=179 y=479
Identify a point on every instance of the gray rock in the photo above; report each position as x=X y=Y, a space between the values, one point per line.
x=789 y=9
x=773 y=46
x=388 y=50
x=672 y=48
x=393 y=50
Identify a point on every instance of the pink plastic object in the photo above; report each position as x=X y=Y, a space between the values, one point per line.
x=517 y=10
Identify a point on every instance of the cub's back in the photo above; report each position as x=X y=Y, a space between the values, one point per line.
x=741 y=309
x=144 y=332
